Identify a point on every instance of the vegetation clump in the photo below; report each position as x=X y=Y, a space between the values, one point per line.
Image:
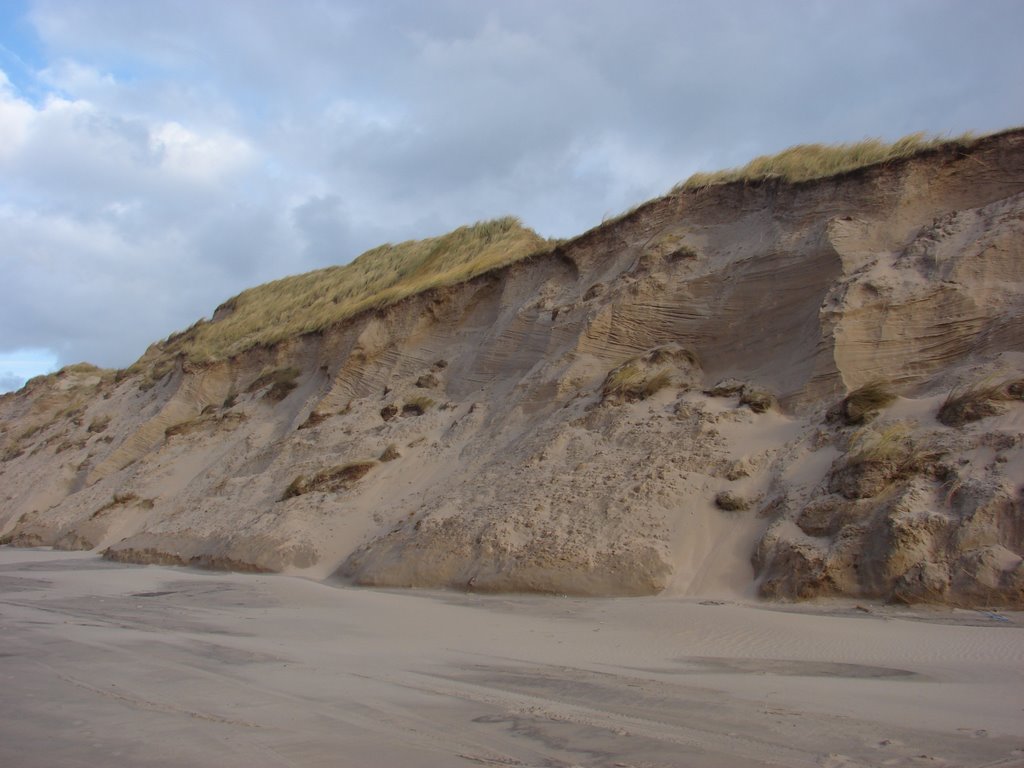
x=11 y=452
x=806 y=162
x=181 y=428
x=878 y=458
x=731 y=502
x=98 y=424
x=314 y=419
x=121 y=500
x=757 y=400
x=280 y=380
x=863 y=403
x=427 y=381
x=669 y=246
x=973 y=402
x=330 y=480
x=631 y=382
x=726 y=388
x=417 y=406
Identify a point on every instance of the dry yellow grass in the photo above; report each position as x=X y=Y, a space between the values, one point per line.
x=384 y=275
x=629 y=383
x=815 y=161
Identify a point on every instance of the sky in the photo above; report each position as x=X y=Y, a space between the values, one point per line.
x=159 y=157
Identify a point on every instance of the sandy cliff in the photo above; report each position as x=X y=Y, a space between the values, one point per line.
x=656 y=404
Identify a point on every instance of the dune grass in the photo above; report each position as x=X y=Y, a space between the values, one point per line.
x=889 y=445
x=892 y=447
x=863 y=403
x=630 y=382
x=329 y=480
x=313 y=301
x=805 y=162
x=974 y=401
x=280 y=380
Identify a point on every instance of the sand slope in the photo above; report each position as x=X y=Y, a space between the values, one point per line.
x=566 y=424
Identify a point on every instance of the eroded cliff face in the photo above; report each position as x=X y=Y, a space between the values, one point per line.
x=654 y=405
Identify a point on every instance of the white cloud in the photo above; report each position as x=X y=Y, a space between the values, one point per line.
x=15 y=119
x=200 y=158
x=68 y=76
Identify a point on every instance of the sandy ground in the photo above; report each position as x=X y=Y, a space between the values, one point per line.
x=105 y=664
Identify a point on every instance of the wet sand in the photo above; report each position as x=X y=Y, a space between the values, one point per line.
x=104 y=664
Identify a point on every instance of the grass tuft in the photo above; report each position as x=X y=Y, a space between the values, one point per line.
x=757 y=400
x=890 y=445
x=631 y=382
x=99 y=424
x=120 y=500
x=878 y=458
x=332 y=479
x=390 y=453
x=624 y=381
x=805 y=162
x=731 y=502
x=281 y=382
x=863 y=403
x=657 y=382
x=417 y=406
x=973 y=402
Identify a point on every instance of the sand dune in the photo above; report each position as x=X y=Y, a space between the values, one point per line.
x=658 y=405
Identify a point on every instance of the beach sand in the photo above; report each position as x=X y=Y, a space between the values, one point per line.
x=116 y=665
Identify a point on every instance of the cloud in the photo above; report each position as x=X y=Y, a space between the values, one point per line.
x=21 y=365
x=186 y=154
x=165 y=155
x=15 y=119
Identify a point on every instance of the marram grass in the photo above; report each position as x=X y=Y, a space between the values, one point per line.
x=384 y=275
x=805 y=162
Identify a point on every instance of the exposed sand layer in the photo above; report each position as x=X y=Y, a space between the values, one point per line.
x=106 y=664
x=650 y=407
